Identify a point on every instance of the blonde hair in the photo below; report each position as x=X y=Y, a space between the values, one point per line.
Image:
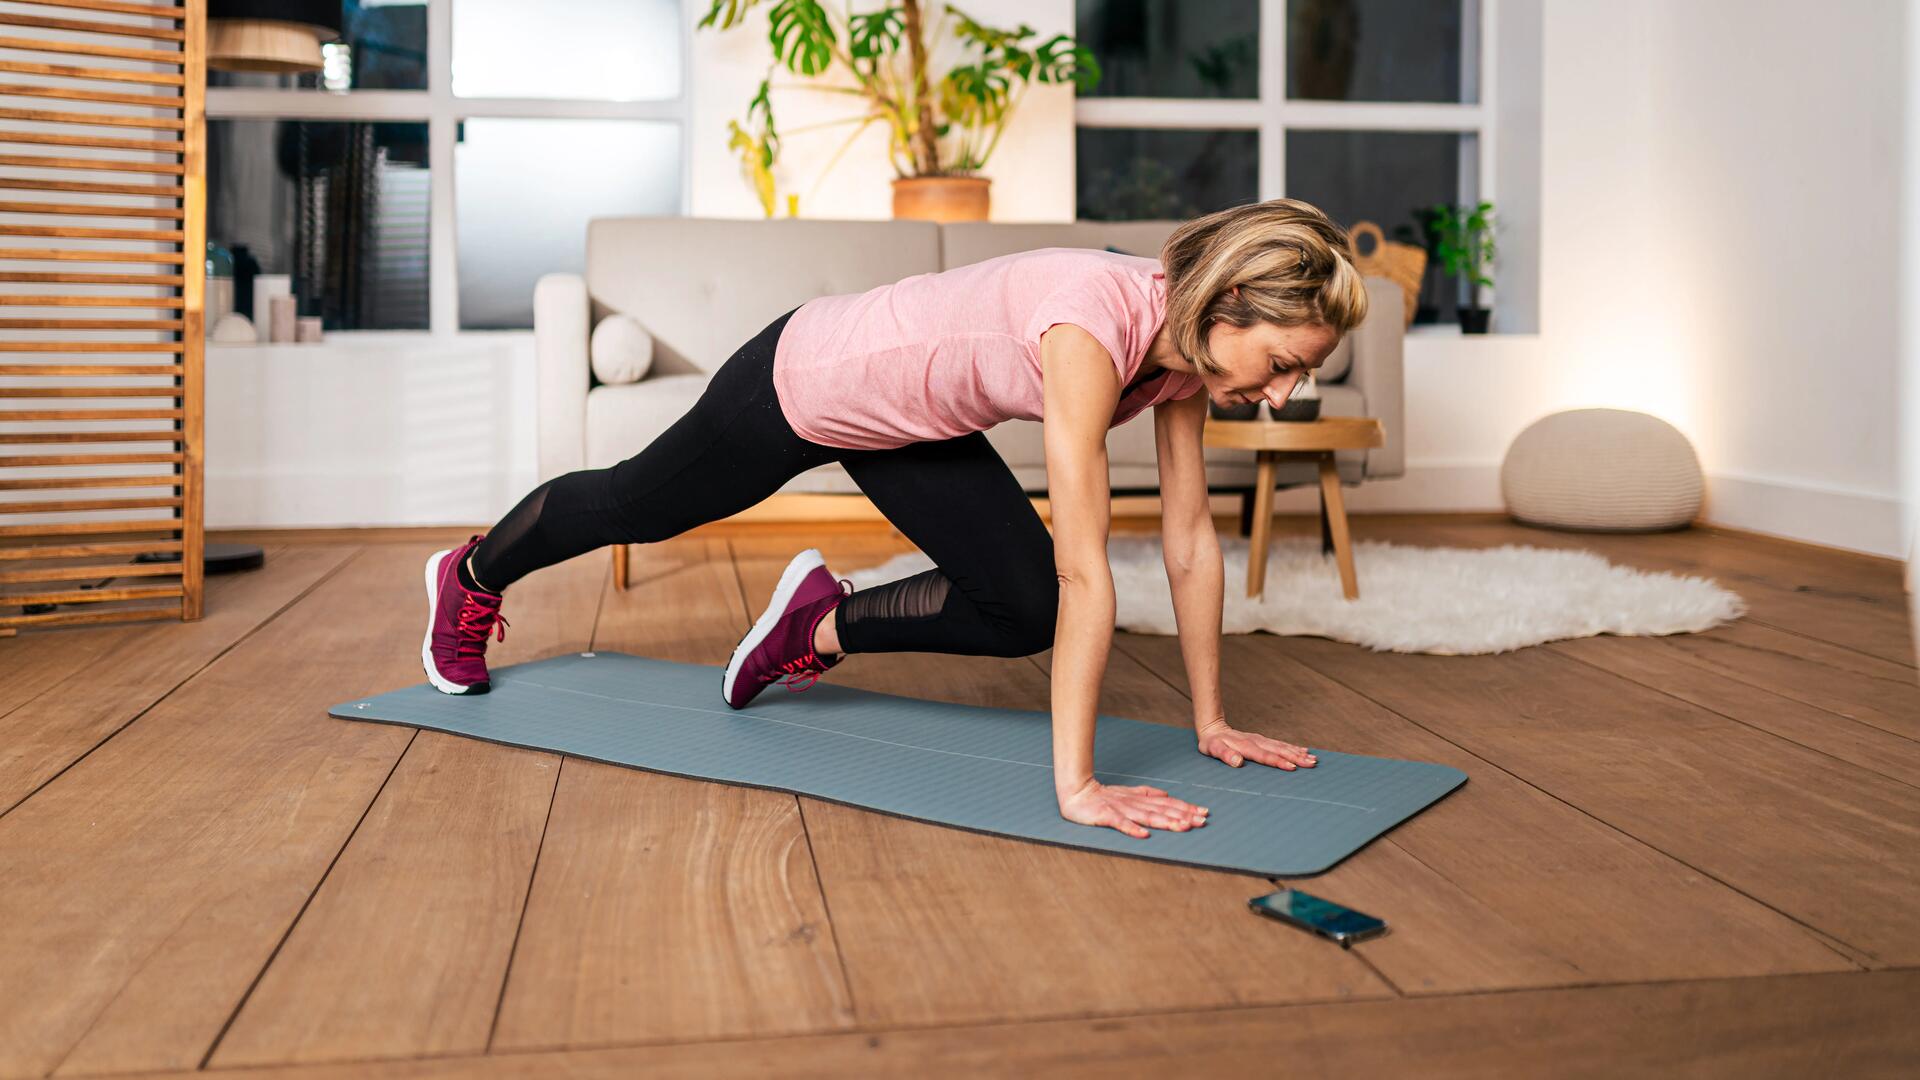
x=1292 y=264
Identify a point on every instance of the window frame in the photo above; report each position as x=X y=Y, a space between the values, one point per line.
x=1273 y=114
x=442 y=111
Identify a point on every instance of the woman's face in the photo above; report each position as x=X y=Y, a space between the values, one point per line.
x=1264 y=360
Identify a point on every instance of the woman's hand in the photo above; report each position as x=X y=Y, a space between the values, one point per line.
x=1218 y=740
x=1132 y=810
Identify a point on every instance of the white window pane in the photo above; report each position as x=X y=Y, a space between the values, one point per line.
x=603 y=50
x=526 y=189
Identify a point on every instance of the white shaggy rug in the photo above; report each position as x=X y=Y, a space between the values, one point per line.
x=1452 y=601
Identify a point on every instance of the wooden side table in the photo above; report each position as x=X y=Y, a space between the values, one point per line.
x=1274 y=441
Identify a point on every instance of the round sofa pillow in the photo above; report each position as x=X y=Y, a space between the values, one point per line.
x=621 y=350
x=1607 y=470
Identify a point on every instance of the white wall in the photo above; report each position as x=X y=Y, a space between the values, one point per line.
x=1718 y=249
x=1910 y=308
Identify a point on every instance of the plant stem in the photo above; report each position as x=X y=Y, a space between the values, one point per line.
x=926 y=146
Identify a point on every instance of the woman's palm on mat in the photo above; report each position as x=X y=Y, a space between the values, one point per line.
x=1132 y=810
x=1219 y=740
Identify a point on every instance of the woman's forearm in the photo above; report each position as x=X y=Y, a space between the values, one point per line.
x=1196 y=575
x=1081 y=639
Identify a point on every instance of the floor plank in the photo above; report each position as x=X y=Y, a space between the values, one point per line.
x=1822 y=841
x=1499 y=885
x=1855 y=1025
x=159 y=874
x=664 y=907
x=1839 y=678
x=944 y=926
x=80 y=686
x=404 y=948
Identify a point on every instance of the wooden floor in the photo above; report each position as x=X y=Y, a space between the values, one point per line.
x=1693 y=854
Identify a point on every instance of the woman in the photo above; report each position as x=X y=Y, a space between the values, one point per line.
x=899 y=384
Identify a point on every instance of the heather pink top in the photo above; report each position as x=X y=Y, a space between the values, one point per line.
x=939 y=355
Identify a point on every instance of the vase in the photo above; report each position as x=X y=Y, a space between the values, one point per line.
x=1473 y=320
x=941 y=198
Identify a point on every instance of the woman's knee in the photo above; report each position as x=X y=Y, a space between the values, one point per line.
x=1030 y=615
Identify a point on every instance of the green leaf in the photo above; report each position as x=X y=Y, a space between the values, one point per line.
x=736 y=12
x=874 y=34
x=801 y=36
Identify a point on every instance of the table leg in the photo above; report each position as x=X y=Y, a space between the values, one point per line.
x=1263 y=480
x=1336 y=511
x=1326 y=531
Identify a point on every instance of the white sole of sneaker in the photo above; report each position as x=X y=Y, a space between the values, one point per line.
x=426 y=643
x=790 y=580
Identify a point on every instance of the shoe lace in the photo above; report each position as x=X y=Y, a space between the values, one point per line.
x=472 y=624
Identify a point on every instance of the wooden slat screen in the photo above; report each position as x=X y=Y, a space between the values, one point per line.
x=102 y=242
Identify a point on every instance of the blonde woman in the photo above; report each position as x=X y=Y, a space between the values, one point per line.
x=899 y=384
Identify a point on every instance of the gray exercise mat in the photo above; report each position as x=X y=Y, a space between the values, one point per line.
x=971 y=767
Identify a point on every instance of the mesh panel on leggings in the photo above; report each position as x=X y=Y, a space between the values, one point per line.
x=918 y=597
x=509 y=533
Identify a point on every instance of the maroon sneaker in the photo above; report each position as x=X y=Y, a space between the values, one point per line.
x=779 y=648
x=459 y=621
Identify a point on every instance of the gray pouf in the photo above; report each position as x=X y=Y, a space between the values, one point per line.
x=1607 y=470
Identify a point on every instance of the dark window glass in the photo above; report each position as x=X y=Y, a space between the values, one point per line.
x=1376 y=50
x=1388 y=178
x=1172 y=48
x=340 y=205
x=383 y=47
x=1128 y=174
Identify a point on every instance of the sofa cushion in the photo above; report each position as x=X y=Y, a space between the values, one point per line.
x=704 y=286
x=1130 y=447
x=622 y=420
x=969 y=242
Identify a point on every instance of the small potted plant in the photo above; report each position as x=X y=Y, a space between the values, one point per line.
x=1465 y=248
x=941 y=128
x=1303 y=404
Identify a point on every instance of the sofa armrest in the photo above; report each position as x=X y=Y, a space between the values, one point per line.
x=561 y=317
x=1379 y=372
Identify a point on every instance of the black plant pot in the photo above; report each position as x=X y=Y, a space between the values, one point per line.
x=1247 y=411
x=1473 y=320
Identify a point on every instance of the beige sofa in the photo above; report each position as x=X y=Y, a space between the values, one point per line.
x=702 y=287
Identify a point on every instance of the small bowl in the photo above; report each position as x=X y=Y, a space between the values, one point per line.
x=1246 y=411
x=1296 y=409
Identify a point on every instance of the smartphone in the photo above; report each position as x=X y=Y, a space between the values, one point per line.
x=1323 y=917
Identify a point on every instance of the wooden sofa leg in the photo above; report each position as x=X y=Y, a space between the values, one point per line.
x=620 y=567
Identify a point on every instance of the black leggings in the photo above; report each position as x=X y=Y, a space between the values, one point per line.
x=993 y=592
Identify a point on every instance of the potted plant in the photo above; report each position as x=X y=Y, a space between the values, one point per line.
x=941 y=131
x=1465 y=247
x=1301 y=405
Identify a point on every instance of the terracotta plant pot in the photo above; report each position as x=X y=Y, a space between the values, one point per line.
x=941 y=198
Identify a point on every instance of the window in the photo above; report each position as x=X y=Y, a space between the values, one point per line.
x=454 y=151
x=1369 y=109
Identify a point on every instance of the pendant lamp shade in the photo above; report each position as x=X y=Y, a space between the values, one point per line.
x=281 y=36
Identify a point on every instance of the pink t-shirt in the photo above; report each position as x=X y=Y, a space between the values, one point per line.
x=939 y=355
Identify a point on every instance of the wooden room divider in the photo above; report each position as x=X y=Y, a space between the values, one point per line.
x=102 y=256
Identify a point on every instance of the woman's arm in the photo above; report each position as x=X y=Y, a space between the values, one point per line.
x=1191 y=549
x=1081 y=388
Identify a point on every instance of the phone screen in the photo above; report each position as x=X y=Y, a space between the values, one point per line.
x=1317 y=914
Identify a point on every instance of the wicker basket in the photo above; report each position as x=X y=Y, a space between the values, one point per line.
x=1403 y=264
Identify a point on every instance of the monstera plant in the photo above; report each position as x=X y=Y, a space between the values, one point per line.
x=941 y=129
